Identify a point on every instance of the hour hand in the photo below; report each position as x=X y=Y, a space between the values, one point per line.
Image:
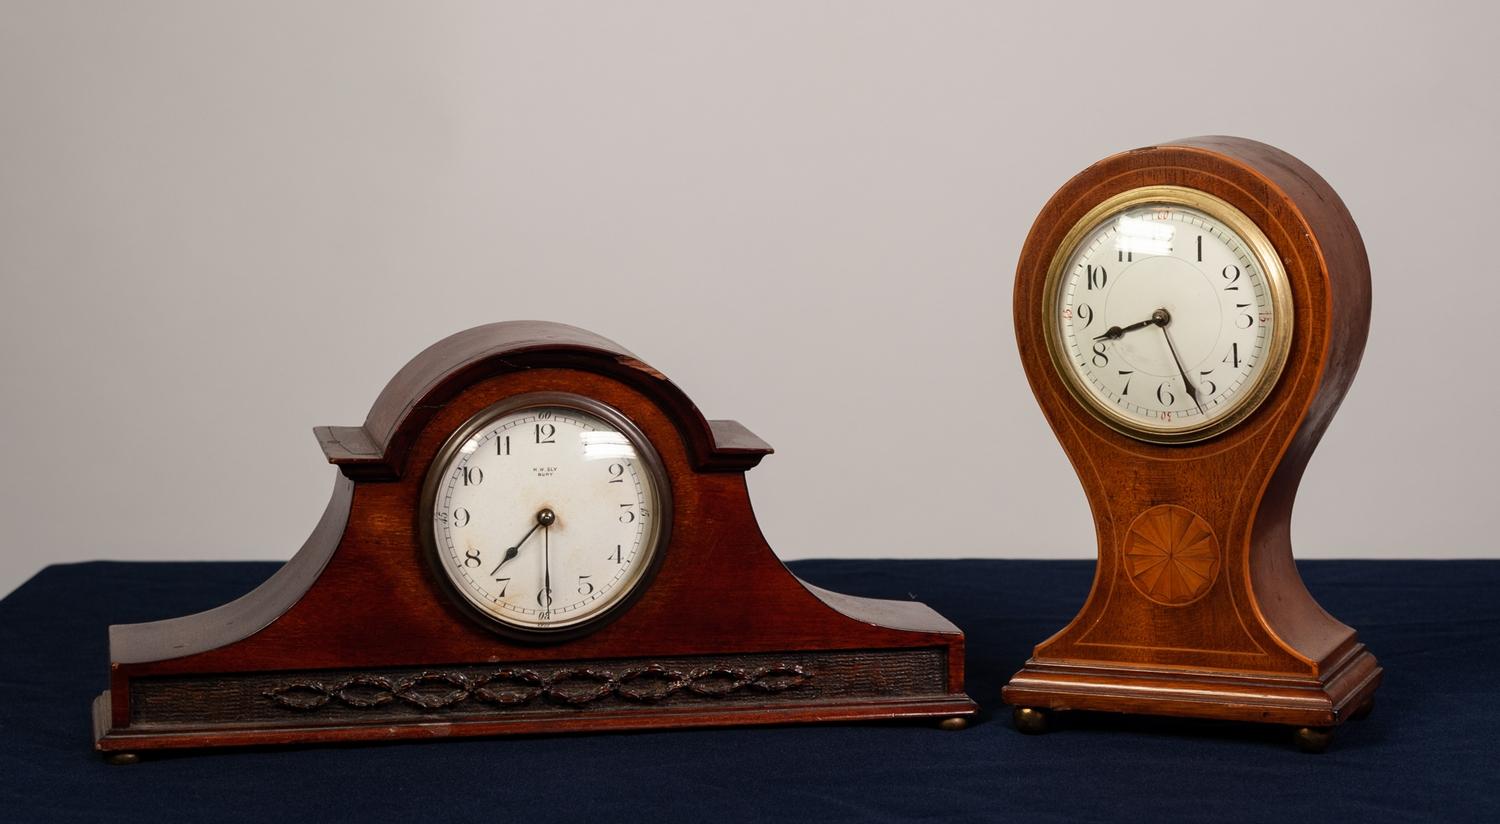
x=543 y=518
x=510 y=553
x=1114 y=332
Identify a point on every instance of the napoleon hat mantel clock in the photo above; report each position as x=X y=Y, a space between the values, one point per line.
x=533 y=531
x=1189 y=317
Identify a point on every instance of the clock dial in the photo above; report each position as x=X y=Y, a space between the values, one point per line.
x=545 y=516
x=1169 y=314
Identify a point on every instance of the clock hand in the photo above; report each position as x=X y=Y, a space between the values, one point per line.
x=1114 y=332
x=543 y=518
x=547 y=565
x=1191 y=390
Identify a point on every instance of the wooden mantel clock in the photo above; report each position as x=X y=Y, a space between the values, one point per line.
x=1189 y=316
x=533 y=531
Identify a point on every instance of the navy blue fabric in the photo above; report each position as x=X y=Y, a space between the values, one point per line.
x=1428 y=752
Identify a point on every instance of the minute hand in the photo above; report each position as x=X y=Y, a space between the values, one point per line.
x=1192 y=392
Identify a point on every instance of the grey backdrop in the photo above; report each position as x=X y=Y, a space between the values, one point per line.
x=223 y=224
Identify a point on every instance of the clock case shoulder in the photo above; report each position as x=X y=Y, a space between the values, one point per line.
x=359 y=611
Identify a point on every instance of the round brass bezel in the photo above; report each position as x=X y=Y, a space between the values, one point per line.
x=1260 y=249
x=654 y=543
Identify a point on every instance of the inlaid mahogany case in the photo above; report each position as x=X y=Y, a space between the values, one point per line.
x=1247 y=641
x=356 y=639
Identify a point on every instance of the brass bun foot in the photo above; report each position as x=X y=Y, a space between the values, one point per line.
x=953 y=724
x=1364 y=711
x=122 y=758
x=1030 y=720
x=1312 y=739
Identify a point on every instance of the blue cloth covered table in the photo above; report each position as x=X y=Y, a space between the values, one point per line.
x=1429 y=751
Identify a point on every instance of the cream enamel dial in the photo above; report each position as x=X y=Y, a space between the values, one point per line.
x=544 y=512
x=1168 y=314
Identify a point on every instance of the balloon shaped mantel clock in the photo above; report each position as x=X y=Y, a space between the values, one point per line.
x=1189 y=317
x=533 y=531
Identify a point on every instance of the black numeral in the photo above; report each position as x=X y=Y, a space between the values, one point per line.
x=545 y=433
x=504 y=585
x=1233 y=358
x=1124 y=256
x=1200 y=248
x=1101 y=359
x=1127 y=373
x=473 y=476
x=618 y=555
x=1086 y=313
x=1245 y=316
x=1212 y=388
x=471 y=558
x=502 y=445
x=617 y=473
x=1232 y=274
x=584 y=586
x=1164 y=395
x=628 y=516
x=460 y=517
x=1097 y=277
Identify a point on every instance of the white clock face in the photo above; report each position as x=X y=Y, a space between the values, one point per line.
x=1168 y=320
x=545 y=517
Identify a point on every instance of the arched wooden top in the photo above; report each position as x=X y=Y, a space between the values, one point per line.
x=1310 y=228
x=377 y=450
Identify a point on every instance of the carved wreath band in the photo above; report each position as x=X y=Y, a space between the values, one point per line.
x=573 y=687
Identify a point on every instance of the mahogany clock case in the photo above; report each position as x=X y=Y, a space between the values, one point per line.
x=1252 y=644
x=356 y=638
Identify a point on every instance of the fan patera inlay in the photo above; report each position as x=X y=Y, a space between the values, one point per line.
x=1171 y=555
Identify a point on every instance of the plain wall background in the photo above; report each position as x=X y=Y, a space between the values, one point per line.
x=224 y=224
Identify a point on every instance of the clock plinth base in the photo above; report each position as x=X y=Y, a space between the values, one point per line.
x=123 y=747
x=260 y=709
x=1346 y=690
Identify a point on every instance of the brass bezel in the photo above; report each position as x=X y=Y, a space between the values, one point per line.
x=1260 y=249
x=640 y=579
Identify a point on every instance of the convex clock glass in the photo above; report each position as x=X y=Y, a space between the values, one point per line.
x=1168 y=314
x=544 y=512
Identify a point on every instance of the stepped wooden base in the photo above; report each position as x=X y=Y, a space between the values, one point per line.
x=1342 y=692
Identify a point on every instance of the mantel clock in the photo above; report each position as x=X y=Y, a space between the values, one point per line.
x=533 y=531
x=1189 y=317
